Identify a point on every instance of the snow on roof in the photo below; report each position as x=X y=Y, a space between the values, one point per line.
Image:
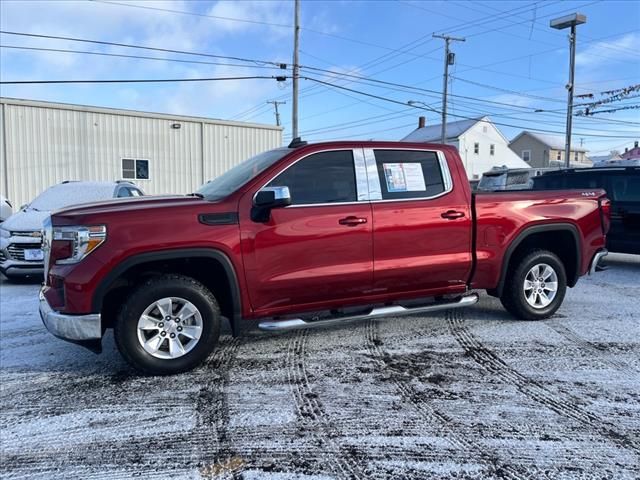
x=433 y=132
x=556 y=142
x=72 y=193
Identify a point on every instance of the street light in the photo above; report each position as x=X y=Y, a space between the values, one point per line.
x=559 y=24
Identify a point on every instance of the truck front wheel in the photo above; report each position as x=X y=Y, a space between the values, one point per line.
x=535 y=286
x=168 y=325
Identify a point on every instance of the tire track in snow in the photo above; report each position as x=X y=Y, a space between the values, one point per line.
x=212 y=405
x=561 y=404
x=200 y=447
x=430 y=414
x=573 y=336
x=311 y=412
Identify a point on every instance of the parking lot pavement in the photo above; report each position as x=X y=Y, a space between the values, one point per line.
x=465 y=394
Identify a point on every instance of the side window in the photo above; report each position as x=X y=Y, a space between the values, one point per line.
x=625 y=188
x=409 y=174
x=492 y=149
x=526 y=155
x=476 y=148
x=326 y=177
x=128 y=192
x=124 y=192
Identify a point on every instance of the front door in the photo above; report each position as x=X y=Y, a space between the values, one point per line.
x=317 y=251
x=422 y=225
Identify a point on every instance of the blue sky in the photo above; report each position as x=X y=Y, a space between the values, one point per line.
x=511 y=58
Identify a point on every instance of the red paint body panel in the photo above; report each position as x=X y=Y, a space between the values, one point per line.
x=501 y=217
x=303 y=259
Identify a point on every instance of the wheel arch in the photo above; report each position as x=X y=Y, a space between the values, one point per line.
x=545 y=236
x=213 y=268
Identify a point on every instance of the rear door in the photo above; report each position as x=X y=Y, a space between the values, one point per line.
x=422 y=223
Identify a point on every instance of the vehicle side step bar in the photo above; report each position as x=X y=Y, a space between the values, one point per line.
x=296 y=323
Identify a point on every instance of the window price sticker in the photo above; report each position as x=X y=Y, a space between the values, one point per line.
x=404 y=177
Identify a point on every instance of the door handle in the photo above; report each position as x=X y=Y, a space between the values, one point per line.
x=352 y=221
x=452 y=214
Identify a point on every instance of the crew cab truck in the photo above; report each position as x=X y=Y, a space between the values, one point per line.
x=310 y=235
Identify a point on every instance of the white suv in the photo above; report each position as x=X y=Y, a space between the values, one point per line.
x=20 y=235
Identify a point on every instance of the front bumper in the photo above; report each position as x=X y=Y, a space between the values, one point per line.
x=596 y=260
x=12 y=268
x=82 y=329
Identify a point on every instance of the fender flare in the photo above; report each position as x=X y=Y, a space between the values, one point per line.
x=527 y=232
x=173 y=254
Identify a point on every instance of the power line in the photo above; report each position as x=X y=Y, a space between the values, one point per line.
x=155 y=49
x=143 y=80
x=459 y=116
x=137 y=57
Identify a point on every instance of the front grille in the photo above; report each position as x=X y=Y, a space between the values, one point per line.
x=35 y=234
x=16 y=250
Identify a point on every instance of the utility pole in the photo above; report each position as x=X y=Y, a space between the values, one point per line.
x=296 y=72
x=275 y=104
x=449 y=59
x=561 y=23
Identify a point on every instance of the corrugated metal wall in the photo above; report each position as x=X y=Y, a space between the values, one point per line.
x=42 y=146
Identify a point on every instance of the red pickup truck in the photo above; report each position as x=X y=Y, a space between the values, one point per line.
x=309 y=235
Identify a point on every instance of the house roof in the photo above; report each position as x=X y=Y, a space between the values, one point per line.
x=433 y=132
x=555 y=142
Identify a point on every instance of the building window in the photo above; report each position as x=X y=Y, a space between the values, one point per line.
x=484 y=129
x=135 y=169
x=559 y=155
x=492 y=149
x=575 y=156
x=476 y=148
x=526 y=155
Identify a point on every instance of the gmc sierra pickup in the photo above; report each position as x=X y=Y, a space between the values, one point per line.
x=310 y=235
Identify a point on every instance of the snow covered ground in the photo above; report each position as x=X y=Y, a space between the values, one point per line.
x=462 y=394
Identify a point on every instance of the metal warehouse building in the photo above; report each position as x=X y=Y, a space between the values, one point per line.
x=45 y=143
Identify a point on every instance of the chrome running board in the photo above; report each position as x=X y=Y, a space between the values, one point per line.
x=296 y=323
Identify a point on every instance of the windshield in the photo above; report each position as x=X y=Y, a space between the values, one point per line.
x=231 y=180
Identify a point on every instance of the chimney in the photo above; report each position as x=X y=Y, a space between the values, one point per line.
x=635 y=145
x=626 y=149
x=422 y=121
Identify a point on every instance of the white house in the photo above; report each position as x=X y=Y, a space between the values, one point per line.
x=481 y=145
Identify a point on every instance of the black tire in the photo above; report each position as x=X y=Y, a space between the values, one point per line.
x=126 y=327
x=513 y=294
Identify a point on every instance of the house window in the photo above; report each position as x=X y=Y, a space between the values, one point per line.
x=484 y=129
x=135 y=169
x=476 y=148
x=492 y=149
x=526 y=155
x=575 y=156
x=559 y=155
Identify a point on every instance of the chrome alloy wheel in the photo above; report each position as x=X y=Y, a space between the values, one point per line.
x=169 y=328
x=540 y=286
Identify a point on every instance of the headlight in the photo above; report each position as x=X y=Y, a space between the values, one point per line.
x=4 y=233
x=72 y=244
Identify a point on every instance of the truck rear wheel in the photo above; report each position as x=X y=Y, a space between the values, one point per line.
x=535 y=286
x=169 y=325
